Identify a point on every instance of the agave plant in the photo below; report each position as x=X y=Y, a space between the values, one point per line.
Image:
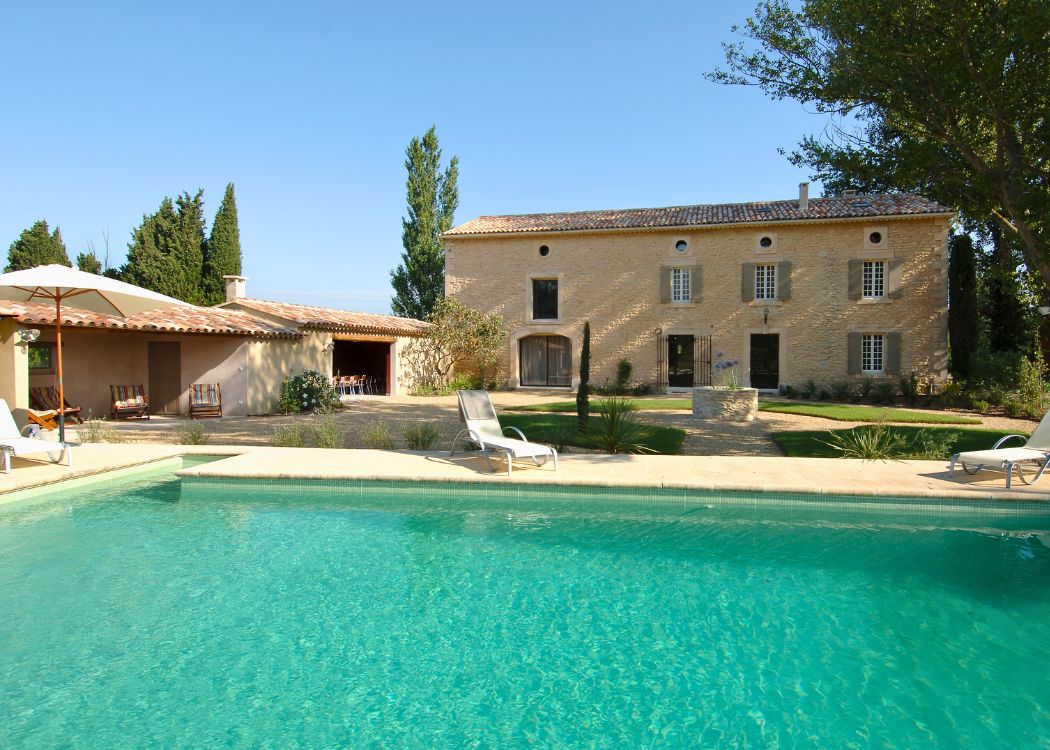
x=616 y=428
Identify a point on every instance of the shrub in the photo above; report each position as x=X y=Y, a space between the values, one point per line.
x=420 y=436
x=885 y=392
x=953 y=394
x=309 y=391
x=933 y=445
x=623 y=376
x=289 y=436
x=643 y=389
x=875 y=443
x=824 y=395
x=910 y=388
x=1030 y=386
x=324 y=432
x=95 y=430
x=866 y=387
x=789 y=391
x=616 y=428
x=190 y=433
x=980 y=405
x=376 y=436
x=1012 y=408
x=842 y=390
x=809 y=390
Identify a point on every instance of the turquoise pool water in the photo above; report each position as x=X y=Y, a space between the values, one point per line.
x=297 y=616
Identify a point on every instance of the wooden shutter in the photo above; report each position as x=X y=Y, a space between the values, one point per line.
x=853 y=361
x=891 y=357
x=665 y=283
x=893 y=278
x=784 y=281
x=747 y=282
x=694 y=284
x=856 y=279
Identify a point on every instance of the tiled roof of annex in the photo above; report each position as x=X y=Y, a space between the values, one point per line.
x=189 y=319
x=839 y=207
x=330 y=319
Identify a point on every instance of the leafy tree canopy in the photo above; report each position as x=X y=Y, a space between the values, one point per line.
x=37 y=246
x=89 y=262
x=947 y=98
x=433 y=195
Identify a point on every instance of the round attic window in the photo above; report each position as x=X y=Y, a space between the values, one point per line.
x=681 y=246
x=875 y=238
x=545 y=251
x=766 y=242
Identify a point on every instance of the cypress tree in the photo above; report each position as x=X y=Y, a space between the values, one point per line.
x=419 y=282
x=37 y=246
x=583 y=393
x=224 y=250
x=963 y=332
x=166 y=252
x=1007 y=316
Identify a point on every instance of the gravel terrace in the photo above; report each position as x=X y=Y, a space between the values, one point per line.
x=702 y=437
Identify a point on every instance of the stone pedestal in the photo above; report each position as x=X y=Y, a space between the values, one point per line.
x=738 y=405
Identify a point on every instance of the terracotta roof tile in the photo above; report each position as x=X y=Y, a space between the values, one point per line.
x=840 y=207
x=187 y=319
x=329 y=319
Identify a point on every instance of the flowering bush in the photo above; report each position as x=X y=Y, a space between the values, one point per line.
x=309 y=391
x=727 y=373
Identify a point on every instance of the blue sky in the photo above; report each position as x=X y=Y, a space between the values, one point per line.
x=308 y=107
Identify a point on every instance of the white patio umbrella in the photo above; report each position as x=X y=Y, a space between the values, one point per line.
x=87 y=291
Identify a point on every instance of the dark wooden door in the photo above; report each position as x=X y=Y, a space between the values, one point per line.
x=165 y=377
x=680 y=364
x=765 y=360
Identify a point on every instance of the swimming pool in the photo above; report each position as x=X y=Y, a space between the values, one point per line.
x=150 y=612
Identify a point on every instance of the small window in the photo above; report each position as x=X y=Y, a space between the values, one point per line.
x=766 y=242
x=681 y=284
x=765 y=281
x=871 y=349
x=875 y=238
x=874 y=285
x=544 y=251
x=40 y=357
x=681 y=246
x=544 y=299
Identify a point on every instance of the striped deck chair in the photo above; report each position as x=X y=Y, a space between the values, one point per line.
x=46 y=399
x=205 y=400
x=129 y=401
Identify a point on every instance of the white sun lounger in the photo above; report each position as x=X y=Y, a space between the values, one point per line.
x=483 y=429
x=1034 y=454
x=12 y=443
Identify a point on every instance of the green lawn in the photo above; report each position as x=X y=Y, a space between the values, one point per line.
x=857 y=413
x=643 y=404
x=809 y=443
x=560 y=429
x=837 y=412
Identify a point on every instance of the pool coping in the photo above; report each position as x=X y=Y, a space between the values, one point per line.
x=813 y=476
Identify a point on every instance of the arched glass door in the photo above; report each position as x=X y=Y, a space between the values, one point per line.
x=546 y=360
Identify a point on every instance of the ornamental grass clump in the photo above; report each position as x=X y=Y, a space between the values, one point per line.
x=309 y=391
x=324 y=432
x=190 y=433
x=420 y=436
x=875 y=443
x=289 y=436
x=616 y=429
x=376 y=436
x=95 y=430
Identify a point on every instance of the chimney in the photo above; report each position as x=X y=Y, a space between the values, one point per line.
x=803 y=196
x=235 y=287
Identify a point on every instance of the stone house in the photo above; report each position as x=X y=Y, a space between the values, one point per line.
x=822 y=289
x=246 y=346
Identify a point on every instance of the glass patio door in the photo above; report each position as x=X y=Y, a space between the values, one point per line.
x=546 y=361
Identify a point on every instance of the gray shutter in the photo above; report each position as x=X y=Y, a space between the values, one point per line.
x=893 y=278
x=891 y=361
x=694 y=284
x=784 y=281
x=665 y=283
x=856 y=279
x=747 y=282
x=853 y=361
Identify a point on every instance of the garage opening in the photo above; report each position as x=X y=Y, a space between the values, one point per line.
x=367 y=359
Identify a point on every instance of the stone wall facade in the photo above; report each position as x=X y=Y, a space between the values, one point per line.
x=617 y=280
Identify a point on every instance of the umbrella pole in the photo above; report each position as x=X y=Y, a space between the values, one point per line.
x=61 y=389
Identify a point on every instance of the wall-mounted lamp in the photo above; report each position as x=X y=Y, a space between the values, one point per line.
x=765 y=316
x=26 y=336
